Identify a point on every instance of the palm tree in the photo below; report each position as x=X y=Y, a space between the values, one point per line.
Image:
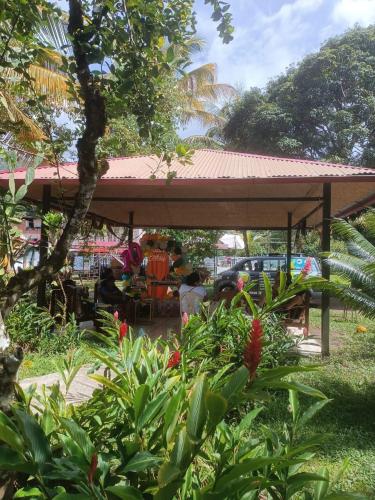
x=357 y=267
x=47 y=79
x=200 y=91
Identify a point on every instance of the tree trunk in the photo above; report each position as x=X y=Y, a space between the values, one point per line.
x=246 y=243
x=89 y=169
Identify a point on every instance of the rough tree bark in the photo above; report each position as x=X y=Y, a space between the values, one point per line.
x=89 y=168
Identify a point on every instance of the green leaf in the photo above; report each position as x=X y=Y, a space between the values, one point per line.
x=152 y=410
x=12 y=461
x=30 y=173
x=248 y=419
x=321 y=487
x=12 y=185
x=21 y=193
x=300 y=480
x=47 y=422
x=112 y=386
x=172 y=415
x=125 y=492
x=247 y=466
x=294 y=404
x=167 y=474
x=72 y=496
x=137 y=349
x=142 y=461
x=80 y=437
x=267 y=288
x=11 y=438
x=216 y=406
x=181 y=454
x=29 y=492
x=34 y=437
x=197 y=410
x=311 y=411
x=236 y=383
x=170 y=54
x=140 y=400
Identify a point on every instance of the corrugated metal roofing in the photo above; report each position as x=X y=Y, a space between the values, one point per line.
x=211 y=164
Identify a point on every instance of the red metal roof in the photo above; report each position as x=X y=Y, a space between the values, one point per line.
x=210 y=164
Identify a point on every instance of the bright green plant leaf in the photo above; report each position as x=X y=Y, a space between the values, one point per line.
x=142 y=461
x=34 y=437
x=29 y=492
x=140 y=400
x=167 y=474
x=11 y=438
x=11 y=460
x=294 y=404
x=248 y=419
x=300 y=480
x=80 y=437
x=321 y=487
x=197 y=414
x=172 y=415
x=112 y=386
x=125 y=492
x=312 y=411
x=21 y=193
x=236 y=383
x=12 y=185
x=216 y=406
x=153 y=409
x=181 y=454
x=30 y=173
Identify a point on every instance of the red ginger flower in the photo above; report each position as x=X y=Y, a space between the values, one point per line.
x=253 y=349
x=123 y=330
x=115 y=315
x=174 y=360
x=185 y=318
x=240 y=284
x=92 y=468
x=307 y=267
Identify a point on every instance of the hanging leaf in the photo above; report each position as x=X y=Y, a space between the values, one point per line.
x=197 y=414
x=21 y=193
x=216 y=406
x=142 y=461
x=140 y=400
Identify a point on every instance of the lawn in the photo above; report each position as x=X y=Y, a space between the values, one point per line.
x=348 y=378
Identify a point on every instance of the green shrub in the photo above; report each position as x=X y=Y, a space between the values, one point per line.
x=152 y=431
x=34 y=329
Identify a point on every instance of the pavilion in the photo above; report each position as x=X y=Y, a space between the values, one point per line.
x=217 y=190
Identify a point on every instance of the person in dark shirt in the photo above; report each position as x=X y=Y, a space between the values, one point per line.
x=108 y=291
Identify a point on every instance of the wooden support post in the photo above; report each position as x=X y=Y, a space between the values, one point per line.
x=43 y=244
x=289 y=247
x=326 y=247
x=131 y=222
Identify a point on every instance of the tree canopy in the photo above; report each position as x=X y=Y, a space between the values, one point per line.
x=323 y=108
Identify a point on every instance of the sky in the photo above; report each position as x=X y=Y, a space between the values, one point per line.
x=270 y=35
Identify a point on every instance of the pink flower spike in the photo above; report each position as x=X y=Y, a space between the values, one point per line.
x=115 y=315
x=307 y=267
x=185 y=319
x=240 y=284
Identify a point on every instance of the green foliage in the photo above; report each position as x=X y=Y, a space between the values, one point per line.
x=198 y=243
x=323 y=108
x=34 y=329
x=358 y=265
x=219 y=337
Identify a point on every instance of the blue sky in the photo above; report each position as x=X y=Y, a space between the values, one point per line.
x=270 y=35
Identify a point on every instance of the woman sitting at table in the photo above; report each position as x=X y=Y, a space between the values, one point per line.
x=192 y=294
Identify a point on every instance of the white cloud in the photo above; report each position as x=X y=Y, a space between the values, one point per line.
x=349 y=12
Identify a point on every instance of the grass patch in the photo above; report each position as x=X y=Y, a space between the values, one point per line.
x=348 y=378
x=36 y=364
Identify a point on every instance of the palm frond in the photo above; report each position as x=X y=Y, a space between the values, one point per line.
x=29 y=131
x=345 y=267
x=203 y=139
x=345 y=230
x=356 y=299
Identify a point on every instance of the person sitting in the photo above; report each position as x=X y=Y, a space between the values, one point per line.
x=192 y=294
x=108 y=291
